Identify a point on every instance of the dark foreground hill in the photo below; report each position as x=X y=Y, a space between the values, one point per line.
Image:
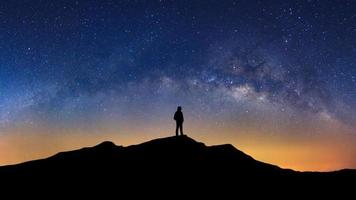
x=167 y=164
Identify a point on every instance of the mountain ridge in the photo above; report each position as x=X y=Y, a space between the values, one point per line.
x=112 y=145
x=168 y=162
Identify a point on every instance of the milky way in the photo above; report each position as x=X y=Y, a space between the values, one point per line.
x=285 y=68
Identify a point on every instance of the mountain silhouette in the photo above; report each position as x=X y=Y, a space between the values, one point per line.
x=174 y=163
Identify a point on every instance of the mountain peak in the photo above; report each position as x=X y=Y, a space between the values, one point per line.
x=173 y=140
x=106 y=144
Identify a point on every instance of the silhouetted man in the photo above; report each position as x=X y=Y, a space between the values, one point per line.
x=178 y=116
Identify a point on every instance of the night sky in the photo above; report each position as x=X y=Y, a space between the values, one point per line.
x=277 y=79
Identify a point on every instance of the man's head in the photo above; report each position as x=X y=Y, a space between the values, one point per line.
x=179 y=108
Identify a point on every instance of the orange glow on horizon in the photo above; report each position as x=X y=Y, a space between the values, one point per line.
x=313 y=153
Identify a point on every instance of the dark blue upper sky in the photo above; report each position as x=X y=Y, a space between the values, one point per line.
x=82 y=57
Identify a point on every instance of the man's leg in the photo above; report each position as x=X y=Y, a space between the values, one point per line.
x=177 y=126
x=181 y=128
